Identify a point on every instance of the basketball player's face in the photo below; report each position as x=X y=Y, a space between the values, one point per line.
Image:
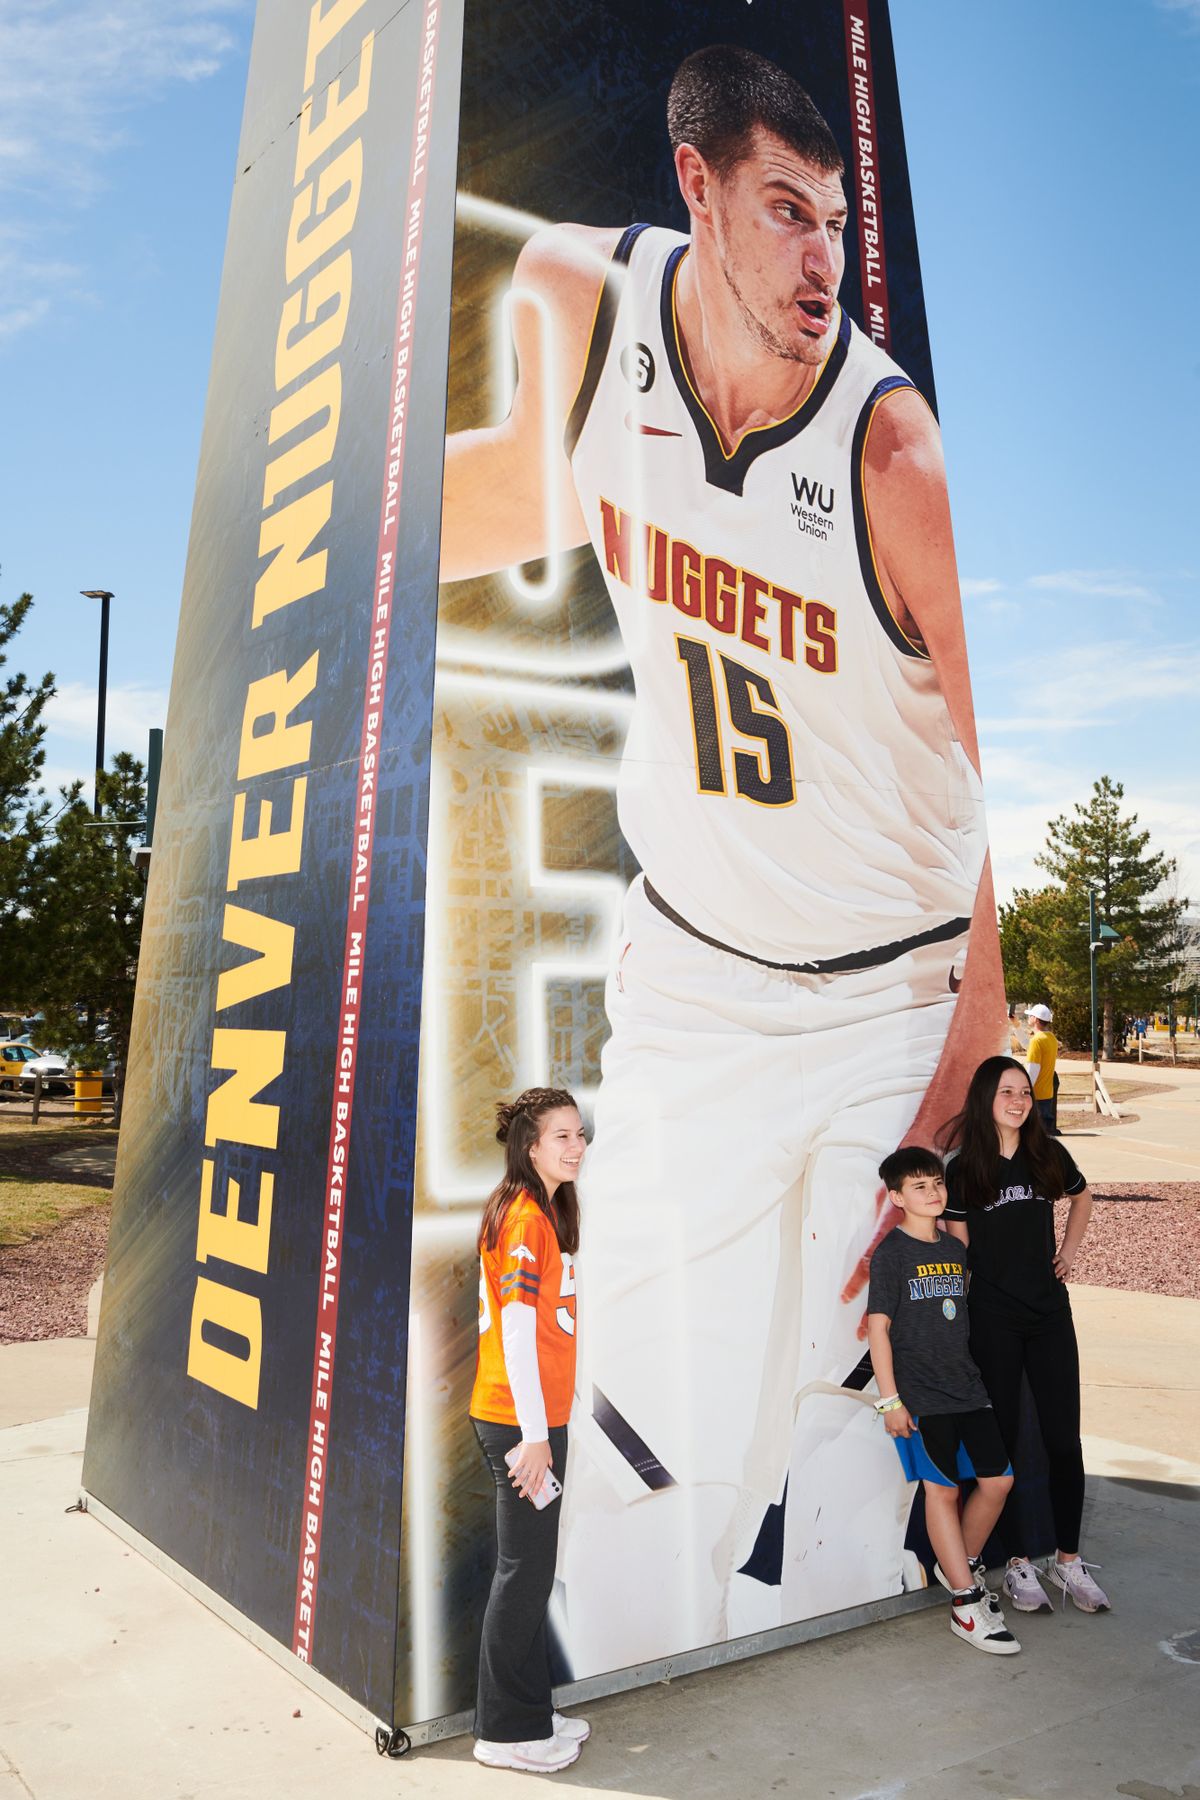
x=779 y=223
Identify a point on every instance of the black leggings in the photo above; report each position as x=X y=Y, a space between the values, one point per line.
x=1050 y=1359
x=513 y=1699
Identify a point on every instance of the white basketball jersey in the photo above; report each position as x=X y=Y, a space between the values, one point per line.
x=791 y=783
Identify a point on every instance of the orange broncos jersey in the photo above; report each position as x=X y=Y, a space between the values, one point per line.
x=526 y=1268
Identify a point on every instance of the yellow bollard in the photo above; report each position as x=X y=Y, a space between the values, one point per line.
x=88 y=1089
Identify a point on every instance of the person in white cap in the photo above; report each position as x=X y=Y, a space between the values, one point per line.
x=1040 y=1058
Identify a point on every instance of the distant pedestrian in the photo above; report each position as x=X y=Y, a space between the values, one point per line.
x=1040 y=1060
x=1002 y=1185
x=1016 y=1043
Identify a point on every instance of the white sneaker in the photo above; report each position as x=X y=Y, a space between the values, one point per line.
x=573 y=1731
x=539 y=1756
x=978 y=1569
x=1023 y=1588
x=1074 y=1579
x=976 y=1624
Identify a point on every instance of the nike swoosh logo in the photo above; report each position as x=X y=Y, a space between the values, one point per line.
x=631 y=424
x=966 y=1624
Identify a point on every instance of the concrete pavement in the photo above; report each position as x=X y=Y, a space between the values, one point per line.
x=117 y=1685
x=1161 y=1144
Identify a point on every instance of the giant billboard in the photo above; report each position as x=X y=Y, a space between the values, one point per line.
x=705 y=805
x=570 y=688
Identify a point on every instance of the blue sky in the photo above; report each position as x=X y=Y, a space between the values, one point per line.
x=1052 y=149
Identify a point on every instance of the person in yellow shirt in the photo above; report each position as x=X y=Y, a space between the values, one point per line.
x=1040 y=1059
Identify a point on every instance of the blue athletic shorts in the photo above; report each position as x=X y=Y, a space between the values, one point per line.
x=951 y=1447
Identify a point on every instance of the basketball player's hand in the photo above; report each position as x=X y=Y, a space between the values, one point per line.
x=899 y=1423
x=528 y=1471
x=885 y=1217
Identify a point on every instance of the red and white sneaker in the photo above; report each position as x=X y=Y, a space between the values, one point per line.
x=972 y=1620
x=1074 y=1578
x=1023 y=1588
x=574 y=1731
x=537 y=1756
x=978 y=1569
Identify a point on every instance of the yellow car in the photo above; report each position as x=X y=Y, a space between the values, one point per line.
x=13 y=1058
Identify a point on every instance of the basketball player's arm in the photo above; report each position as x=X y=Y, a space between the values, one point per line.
x=909 y=514
x=507 y=492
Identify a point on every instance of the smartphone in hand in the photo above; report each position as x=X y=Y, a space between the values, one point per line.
x=550 y=1489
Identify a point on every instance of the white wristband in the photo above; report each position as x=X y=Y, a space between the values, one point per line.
x=885 y=1400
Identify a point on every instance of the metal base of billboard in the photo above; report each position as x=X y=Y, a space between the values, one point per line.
x=595 y=1687
x=229 y=1615
x=709 y=1656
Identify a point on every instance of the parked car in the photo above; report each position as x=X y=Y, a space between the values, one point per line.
x=14 y=1059
x=57 y=1076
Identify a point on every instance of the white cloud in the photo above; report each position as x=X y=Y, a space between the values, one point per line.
x=971 y=590
x=1025 y=788
x=131 y=709
x=1098 y=684
x=1097 y=584
x=30 y=282
x=73 y=71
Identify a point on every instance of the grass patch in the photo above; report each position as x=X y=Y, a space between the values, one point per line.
x=30 y=1209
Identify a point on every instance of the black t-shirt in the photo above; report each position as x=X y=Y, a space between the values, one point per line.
x=922 y=1288
x=1012 y=1246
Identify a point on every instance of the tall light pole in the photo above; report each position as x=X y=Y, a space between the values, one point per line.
x=1099 y=935
x=104 y=597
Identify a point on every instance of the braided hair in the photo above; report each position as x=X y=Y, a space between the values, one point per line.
x=518 y=1127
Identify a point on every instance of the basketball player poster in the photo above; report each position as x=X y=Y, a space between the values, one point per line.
x=599 y=717
x=705 y=805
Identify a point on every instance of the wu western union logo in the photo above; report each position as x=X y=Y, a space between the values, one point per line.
x=268 y=804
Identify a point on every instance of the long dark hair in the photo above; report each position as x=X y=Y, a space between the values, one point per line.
x=973 y=1133
x=518 y=1127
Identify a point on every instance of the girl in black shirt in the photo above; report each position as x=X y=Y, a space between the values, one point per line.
x=1002 y=1184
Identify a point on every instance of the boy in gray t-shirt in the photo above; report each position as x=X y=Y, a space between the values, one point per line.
x=932 y=1400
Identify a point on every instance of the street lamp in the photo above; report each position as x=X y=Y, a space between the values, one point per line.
x=103 y=595
x=1098 y=936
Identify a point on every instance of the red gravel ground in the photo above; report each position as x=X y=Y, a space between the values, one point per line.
x=44 y=1284
x=1144 y=1236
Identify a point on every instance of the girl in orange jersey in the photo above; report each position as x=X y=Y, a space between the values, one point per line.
x=524 y=1384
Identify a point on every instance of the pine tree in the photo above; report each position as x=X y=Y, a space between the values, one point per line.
x=86 y=929
x=1043 y=932
x=23 y=811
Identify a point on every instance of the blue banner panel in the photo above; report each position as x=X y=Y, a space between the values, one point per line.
x=248 y=1405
